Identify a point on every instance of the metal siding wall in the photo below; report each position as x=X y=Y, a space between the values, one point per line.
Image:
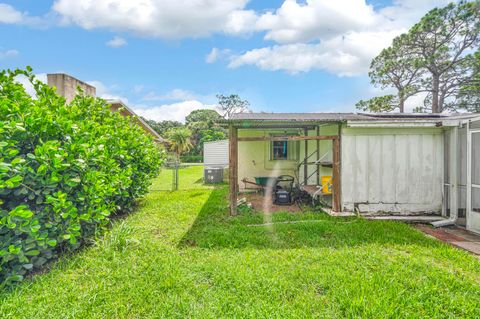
x=399 y=173
x=215 y=153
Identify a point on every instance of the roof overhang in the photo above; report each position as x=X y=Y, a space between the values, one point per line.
x=142 y=123
x=394 y=124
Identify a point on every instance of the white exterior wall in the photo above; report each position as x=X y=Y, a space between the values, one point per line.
x=215 y=154
x=392 y=170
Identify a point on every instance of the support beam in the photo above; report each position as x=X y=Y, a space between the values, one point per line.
x=305 y=164
x=233 y=168
x=318 y=156
x=336 y=183
x=287 y=138
x=453 y=154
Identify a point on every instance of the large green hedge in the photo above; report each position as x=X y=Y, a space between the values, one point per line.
x=64 y=170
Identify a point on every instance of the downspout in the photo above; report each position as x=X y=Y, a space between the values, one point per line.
x=453 y=169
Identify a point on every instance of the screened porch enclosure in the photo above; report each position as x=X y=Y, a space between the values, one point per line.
x=462 y=175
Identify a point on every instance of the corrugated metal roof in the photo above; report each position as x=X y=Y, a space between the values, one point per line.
x=342 y=117
x=327 y=117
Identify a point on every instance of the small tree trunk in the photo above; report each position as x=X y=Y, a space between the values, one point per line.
x=401 y=103
x=435 y=94
x=441 y=102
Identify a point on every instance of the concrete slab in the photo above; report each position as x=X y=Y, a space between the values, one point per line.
x=339 y=214
x=408 y=219
x=456 y=236
x=473 y=247
x=463 y=233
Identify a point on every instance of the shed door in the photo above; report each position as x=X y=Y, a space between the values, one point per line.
x=473 y=181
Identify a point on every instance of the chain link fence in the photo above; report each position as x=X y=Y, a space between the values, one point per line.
x=176 y=175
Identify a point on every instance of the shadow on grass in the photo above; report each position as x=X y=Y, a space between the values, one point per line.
x=215 y=229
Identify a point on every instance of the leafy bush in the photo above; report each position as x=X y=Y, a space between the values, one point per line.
x=191 y=159
x=64 y=169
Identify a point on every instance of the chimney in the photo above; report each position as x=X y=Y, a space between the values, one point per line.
x=67 y=85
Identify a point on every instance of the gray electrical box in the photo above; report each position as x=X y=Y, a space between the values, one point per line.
x=213 y=175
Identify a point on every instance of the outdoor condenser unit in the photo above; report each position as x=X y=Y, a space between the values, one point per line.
x=213 y=175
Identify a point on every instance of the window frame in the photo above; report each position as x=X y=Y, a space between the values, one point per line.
x=284 y=152
x=292 y=148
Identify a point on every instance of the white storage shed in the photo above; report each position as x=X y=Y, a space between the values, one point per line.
x=215 y=154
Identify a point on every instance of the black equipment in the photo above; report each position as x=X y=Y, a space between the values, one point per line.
x=283 y=189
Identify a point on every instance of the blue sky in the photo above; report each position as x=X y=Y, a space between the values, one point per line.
x=168 y=57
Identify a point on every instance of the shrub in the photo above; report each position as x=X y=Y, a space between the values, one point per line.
x=64 y=170
x=191 y=159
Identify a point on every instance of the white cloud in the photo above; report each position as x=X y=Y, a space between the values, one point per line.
x=345 y=55
x=117 y=42
x=174 y=95
x=240 y=22
x=10 y=15
x=340 y=37
x=212 y=56
x=173 y=112
x=107 y=92
x=415 y=101
x=28 y=86
x=168 y=19
x=8 y=54
x=138 y=88
x=217 y=54
x=316 y=19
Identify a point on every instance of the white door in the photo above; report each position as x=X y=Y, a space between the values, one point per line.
x=473 y=181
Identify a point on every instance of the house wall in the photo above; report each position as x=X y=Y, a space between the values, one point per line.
x=254 y=156
x=392 y=170
x=67 y=85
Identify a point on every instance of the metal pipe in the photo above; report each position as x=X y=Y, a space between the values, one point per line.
x=453 y=182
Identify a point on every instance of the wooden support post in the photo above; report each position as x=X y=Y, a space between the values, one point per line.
x=305 y=161
x=336 y=183
x=318 y=156
x=233 y=168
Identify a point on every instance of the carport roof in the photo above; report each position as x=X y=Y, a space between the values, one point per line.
x=335 y=117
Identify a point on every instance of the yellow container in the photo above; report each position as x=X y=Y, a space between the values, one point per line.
x=327 y=184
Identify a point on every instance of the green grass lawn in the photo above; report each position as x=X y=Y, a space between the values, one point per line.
x=180 y=255
x=190 y=177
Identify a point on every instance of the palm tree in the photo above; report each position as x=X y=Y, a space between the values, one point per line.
x=179 y=140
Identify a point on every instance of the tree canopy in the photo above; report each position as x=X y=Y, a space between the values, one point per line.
x=434 y=57
x=203 y=115
x=163 y=126
x=232 y=104
x=187 y=139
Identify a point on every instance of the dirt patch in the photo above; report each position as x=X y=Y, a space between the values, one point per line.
x=262 y=203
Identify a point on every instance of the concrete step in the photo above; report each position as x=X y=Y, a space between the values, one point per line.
x=420 y=219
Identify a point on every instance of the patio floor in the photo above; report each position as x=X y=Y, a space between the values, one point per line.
x=265 y=204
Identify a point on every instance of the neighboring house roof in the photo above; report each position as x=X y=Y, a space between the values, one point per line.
x=67 y=85
x=118 y=105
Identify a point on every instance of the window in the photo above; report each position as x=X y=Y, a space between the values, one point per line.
x=279 y=150
x=282 y=150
